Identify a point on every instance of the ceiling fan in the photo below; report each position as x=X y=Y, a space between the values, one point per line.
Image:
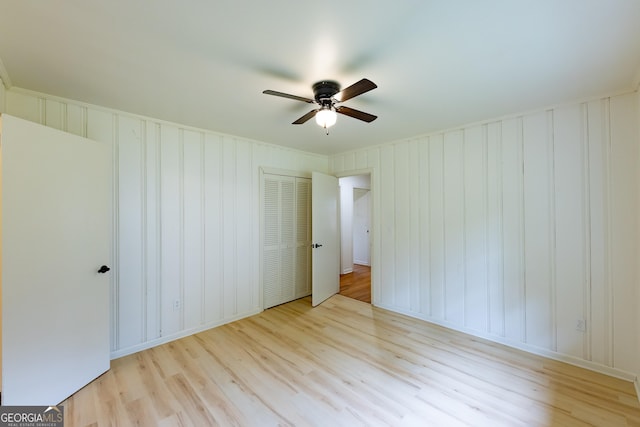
x=327 y=94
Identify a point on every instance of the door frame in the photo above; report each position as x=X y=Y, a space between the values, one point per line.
x=375 y=262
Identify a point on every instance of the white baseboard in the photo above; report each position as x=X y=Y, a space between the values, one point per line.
x=572 y=360
x=172 y=337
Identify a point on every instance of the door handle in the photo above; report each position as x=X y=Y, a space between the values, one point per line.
x=103 y=269
x=316 y=245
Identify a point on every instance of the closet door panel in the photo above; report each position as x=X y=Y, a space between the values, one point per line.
x=286 y=250
x=271 y=241
x=303 y=238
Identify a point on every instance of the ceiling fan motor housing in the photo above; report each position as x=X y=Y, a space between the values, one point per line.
x=324 y=91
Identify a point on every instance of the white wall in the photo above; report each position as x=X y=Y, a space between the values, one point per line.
x=361 y=226
x=516 y=229
x=186 y=254
x=347 y=184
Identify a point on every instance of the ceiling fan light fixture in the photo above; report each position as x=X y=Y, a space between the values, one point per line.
x=326 y=117
x=327 y=94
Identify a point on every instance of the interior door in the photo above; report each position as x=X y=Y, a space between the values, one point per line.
x=55 y=238
x=324 y=235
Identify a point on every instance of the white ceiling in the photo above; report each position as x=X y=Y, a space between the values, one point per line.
x=437 y=63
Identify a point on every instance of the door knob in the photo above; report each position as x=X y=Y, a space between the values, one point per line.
x=316 y=245
x=103 y=269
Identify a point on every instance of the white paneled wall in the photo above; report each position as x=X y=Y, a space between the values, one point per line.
x=186 y=251
x=514 y=229
x=521 y=230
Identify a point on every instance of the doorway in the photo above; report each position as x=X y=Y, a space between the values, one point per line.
x=355 y=241
x=286 y=230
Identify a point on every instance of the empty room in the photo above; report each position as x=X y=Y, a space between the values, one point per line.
x=185 y=185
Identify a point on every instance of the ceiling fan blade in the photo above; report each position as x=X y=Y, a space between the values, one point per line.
x=356 y=114
x=306 y=117
x=358 y=88
x=286 y=95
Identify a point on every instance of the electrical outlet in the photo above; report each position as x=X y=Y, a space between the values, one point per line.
x=176 y=305
x=581 y=325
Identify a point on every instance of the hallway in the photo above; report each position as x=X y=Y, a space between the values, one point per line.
x=357 y=284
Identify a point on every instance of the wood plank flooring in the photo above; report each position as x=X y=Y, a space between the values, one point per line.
x=346 y=363
x=357 y=284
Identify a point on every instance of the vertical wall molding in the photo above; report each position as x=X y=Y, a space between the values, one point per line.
x=144 y=279
x=587 y=220
x=425 y=287
x=500 y=203
x=116 y=237
x=221 y=228
x=234 y=204
x=443 y=252
x=161 y=299
x=203 y=227
x=486 y=237
x=465 y=256
x=553 y=231
x=181 y=213
x=157 y=234
x=522 y=288
x=608 y=222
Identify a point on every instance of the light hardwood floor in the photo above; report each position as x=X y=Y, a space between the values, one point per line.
x=346 y=363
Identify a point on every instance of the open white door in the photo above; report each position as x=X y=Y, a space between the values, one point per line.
x=55 y=238
x=325 y=237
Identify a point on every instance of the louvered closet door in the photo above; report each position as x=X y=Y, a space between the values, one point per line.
x=271 y=240
x=286 y=242
x=303 y=238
